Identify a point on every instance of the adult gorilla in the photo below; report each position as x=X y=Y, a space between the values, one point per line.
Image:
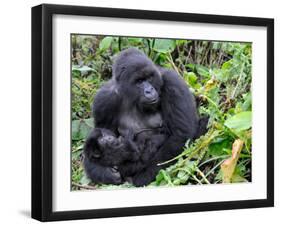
x=144 y=97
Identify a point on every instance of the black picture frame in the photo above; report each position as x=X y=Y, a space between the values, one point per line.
x=42 y=95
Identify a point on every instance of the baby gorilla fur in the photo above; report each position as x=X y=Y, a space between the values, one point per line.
x=103 y=148
x=118 y=154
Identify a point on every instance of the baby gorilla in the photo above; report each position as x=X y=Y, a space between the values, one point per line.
x=104 y=153
x=148 y=142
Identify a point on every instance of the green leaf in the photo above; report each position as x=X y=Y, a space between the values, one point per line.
x=218 y=148
x=82 y=69
x=164 y=45
x=135 y=41
x=75 y=130
x=182 y=177
x=159 y=178
x=220 y=75
x=191 y=79
x=105 y=43
x=191 y=66
x=176 y=181
x=203 y=71
x=89 y=122
x=227 y=65
x=182 y=42
x=181 y=173
x=84 y=130
x=163 y=178
x=247 y=105
x=216 y=45
x=84 y=180
x=239 y=122
x=81 y=128
x=76 y=155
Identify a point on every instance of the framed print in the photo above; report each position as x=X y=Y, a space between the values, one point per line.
x=146 y=112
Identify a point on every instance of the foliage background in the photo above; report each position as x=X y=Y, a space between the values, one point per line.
x=219 y=75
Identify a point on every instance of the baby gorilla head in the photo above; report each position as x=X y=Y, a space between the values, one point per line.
x=102 y=145
x=107 y=140
x=104 y=153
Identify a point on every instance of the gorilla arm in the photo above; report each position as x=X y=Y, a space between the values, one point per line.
x=105 y=110
x=179 y=114
x=101 y=174
x=106 y=106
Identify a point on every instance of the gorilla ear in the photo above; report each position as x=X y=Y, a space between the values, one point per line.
x=118 y=72
x=114 y=89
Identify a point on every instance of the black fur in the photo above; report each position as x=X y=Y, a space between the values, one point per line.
x=101 y=160
x=140 y=96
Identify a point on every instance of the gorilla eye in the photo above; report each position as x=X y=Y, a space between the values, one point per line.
x=140 y=80
x=150 y=77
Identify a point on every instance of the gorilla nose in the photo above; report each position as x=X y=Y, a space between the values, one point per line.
x=149 y=91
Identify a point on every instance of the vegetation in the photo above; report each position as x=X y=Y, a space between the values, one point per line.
x=219 y=75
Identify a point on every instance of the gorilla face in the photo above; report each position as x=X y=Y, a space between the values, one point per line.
x=100 y=140
x=145 y=88
x=107 y=140
x=148 y=95
x=138 y=79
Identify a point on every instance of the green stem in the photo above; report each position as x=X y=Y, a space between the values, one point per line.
x=210 y=136
x=238 y=82
x=170 y=59
x=215 y=158
x=202 y=175
x=213 y=169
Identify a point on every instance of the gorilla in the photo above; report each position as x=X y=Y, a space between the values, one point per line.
x=105 y=149
x=152 y=103
x=102 y=147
